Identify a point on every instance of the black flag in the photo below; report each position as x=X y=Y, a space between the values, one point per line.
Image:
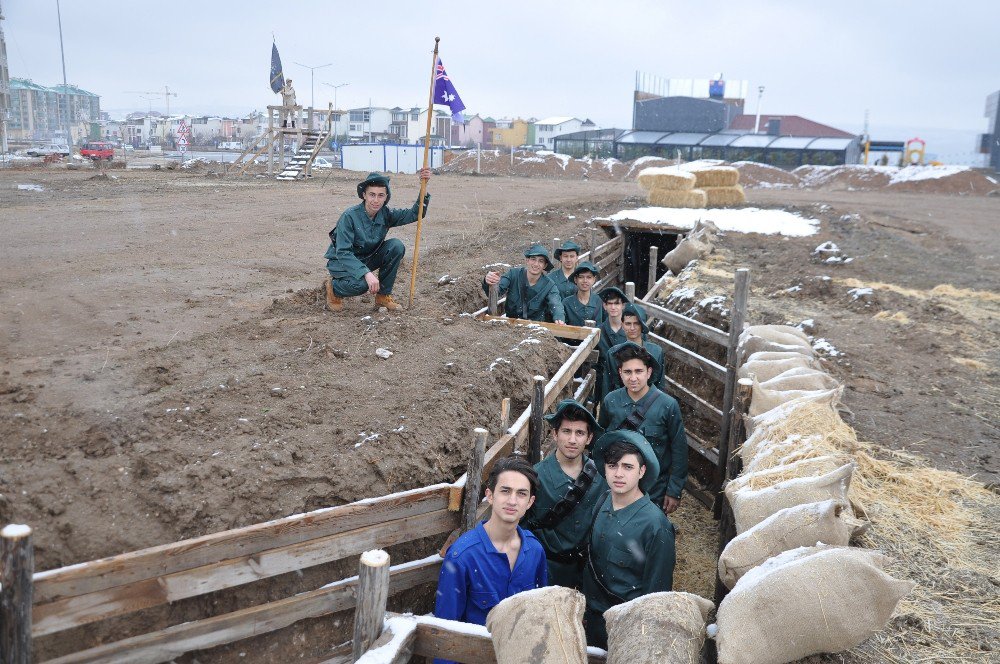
x=277 y=76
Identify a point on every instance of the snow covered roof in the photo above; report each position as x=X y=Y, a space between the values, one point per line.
x=556 y=120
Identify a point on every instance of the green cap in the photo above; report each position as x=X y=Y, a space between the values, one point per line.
x=378 y=180
x=539 y=250
x=569 y=404
x=585 y=266
x=568 y=245
x=613 y=290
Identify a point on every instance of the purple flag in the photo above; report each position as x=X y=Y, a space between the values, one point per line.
x=445 y=93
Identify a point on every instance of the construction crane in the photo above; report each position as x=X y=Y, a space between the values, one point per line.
x=166 y=94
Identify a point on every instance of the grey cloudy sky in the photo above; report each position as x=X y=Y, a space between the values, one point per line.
x=925 y=66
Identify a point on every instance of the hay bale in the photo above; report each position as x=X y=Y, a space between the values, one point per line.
x=803 y=603
x=782 y=338
x=830 y=522
x=810 y=467
x=751 y=506
x=687 y=250
x=659 y=628
x=716 y=176
x=541 y=625
x=691 y=198
x=724 y=196
x=766 y=369
x=665 y=179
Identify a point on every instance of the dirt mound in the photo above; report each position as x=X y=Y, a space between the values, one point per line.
x=534 y=164
x=917 y=179
x=765 y=176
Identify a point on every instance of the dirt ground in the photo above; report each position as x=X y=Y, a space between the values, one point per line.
x=169 y=369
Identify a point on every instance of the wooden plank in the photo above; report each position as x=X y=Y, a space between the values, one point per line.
x=438 y=639
x=564 y=331
x=699 y=405
x=209 y=549
x=702 y=496
x=609 y=259
x=566 y=372
x=702 y=448
x=612 y=244
x=690 y=358
x=684 y=323
x=17 y=562
x=663 y=229
x=586 y=387
x=536 y=425
x=651 y=293
x=473 y=479
x=172 y=642
x=380 y=654
x=741 y=296
x=83 y=609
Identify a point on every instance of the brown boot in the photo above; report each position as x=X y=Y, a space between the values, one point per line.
x=333 y=302
x=387 y=302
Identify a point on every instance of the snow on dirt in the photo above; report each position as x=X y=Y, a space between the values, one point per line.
x=745 y=220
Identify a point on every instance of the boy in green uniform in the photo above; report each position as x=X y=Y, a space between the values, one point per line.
x=531 y=295
x=566 y=255
x=645 y=409
x=584 y=304
x=612 y=334
x=569 y=488
x=635 y=331
x=631 y=545
x=358 y=246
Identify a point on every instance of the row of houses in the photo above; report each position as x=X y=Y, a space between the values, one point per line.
x=38 y=112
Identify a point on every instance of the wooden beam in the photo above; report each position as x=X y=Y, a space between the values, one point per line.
x=682 y=322
x=690 y=358
x=494 y=306
x=505 y=414
x=17 y=563
x=474 y=479
x=630 y=291
x=536 y=425
x=391 y=647
x=741 y=295
x=610 y=258
x=166 y=559
x=663 y=229
x=440 y=640
x=79 y=610
x=172 y=642
x=586 y=387
x=564 y=376
x=702 y=448
x=699 y=405
x=564 y=331
x=651 y=273
x=373 y=591
x=610 y=245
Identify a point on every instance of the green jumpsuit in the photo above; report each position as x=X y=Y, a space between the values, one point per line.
x=632 y=554
x=565 y=286
x=565 y=542
x=608 y=339
x=577 y=313
x=538 y=302
x=662 y=427
x=615 y=381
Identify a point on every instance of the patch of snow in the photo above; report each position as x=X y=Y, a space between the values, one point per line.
x=827 y=248
x=741 y=220
x=497 y=362
x=30 y=187
x=857 y=293
x=16 y=530
x=825 y=347
x=915 y=173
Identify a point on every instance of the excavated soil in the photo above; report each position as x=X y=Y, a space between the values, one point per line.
x=169 y=369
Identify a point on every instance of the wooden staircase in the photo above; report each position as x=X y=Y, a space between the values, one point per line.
x=300 y=165
x=272 y=141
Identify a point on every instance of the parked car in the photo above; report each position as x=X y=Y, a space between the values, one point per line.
x=49 y=150
x=97 y=150
x=322 y=162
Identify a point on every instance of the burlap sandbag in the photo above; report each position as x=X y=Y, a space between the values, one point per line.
x=829 y=399
x=766 y=369
x=723 y=196
x=798 y=605
x=812 y=467
x=666 y=178
x=780 y=390
x=758 y=338
x=679 y=198
x=659 y=628
x=777 y=454
x=716 y=176
x=687 y=250
x=829 y=522
x=751 y=506
x=542 y=625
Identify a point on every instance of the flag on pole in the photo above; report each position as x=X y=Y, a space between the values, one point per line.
x=445 y=93
x=277 y=75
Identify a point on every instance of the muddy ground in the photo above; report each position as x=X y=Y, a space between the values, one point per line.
x=169 y=369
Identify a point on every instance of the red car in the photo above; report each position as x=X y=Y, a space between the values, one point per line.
x=97 y=151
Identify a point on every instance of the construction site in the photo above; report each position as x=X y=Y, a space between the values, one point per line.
x=202 y=451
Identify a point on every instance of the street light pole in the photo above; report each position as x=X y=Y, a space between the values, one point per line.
x=65 y=90
x=312 y=81
x=336 y=109
x=756 y=124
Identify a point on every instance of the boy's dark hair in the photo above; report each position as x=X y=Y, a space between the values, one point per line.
x=633 y=352
x=632 y=313
x=620 y=448
x=573 y=414
x=612 y=298
x=516 y=464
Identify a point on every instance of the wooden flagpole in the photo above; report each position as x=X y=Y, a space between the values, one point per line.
x=423 y=183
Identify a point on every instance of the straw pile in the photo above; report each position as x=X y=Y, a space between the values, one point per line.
x=936 y=527
x=724 y=196
x=715 y=176
x=670 y=187
x=689 y=198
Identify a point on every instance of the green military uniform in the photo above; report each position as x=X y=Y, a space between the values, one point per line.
x=609 y=339
x=564 y=543
x=631 y=549
x=577 y=313
x=662 y=427
x=563 y=283
x=538 y=302
x=614 y=378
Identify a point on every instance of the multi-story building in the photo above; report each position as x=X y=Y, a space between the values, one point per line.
x=43 y=113
x=4 y=90
x=369 y=124
x=546 y=130
x=511 y=133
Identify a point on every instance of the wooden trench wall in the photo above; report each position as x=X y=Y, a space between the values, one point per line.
x=45 y=604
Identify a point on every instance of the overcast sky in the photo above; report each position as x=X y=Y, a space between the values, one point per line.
x=920 y=65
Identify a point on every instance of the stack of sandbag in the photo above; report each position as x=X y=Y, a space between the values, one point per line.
x=670 y=187
x=542 y=625
x=720 y=184
x=697 y=244
x=659 y=628
x=810 y=600
x=773 y=338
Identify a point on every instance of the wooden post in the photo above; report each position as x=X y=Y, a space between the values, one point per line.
x=536 y=425
x=555 y=245
x=654 y=252
x=590 y=323
x=621 y=259
x=474 y=479
x=504 y=415
x=630 y=291
x=17 y=565
x=737 y=320
x=373 y=590
x=494 y=299
x=593 y=242
x=731 y=463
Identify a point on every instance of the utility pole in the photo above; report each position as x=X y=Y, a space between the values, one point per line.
x=756 y=124
x=65 y=90
x=4 y=90
x=166 y=94
x=312 y=81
